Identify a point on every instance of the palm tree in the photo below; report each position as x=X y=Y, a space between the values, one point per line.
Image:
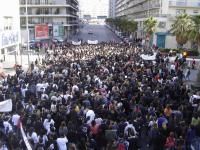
x=182 y=28
x=194 y=35
x=150 y=26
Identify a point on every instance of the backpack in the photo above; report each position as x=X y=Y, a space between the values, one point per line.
x=121 y=145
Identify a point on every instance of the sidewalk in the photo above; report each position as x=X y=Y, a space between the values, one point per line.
x=9 y=63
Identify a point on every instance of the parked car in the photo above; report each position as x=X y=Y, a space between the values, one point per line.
x=33 y=44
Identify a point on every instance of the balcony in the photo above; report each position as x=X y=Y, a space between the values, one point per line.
x=153 y=15
x=48 y=15
x=183 y=4
x=139 y=9
x=50 y=23
x=50 y=5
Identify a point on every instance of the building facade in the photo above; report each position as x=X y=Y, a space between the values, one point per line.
x=112 y=8
x=62 y=13
x=94 y=8
x=165 y=11
x=9 y=28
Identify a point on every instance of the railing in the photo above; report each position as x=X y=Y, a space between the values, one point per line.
x=49 y=15
x=139 y=8
x=153 y=15
x=32 y=23
x=38 y=12
x=53 y=3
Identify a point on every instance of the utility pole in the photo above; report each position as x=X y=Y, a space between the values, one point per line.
x=148 y=8
x=27 y=29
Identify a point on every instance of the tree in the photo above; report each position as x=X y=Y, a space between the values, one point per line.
x=181 y=28
x=132 y=26
x=150 y=26
x=122 y=24
x=194 y=35
x=110 y=21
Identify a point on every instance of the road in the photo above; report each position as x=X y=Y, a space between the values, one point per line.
x=100 y=33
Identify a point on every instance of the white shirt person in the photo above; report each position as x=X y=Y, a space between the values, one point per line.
x=62 y=143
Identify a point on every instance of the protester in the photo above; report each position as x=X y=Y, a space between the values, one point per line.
x=102 y=96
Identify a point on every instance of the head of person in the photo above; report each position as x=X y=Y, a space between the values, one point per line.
x=171 y=134
x=93 y=123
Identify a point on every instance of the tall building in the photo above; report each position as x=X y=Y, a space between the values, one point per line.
x=112 y=8
x=94 y=8
x=61 y=14
x=164 y=11
x=9 y=27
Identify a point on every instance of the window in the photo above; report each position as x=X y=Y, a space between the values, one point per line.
x=29 y=1
x=42 y=1
x=57 y=11
x=180 y=11
x=195 y=11
x=22 y=11
x=37 y=2
x=8 y=21
x=162 y=24
x=22 y=21
x=30 y=11
x=46 y=10
x=46 y=2
x=41 y=20
x=22 y=2
x=30 y=20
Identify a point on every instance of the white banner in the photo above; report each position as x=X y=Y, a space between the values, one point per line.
x=9 y=38
x=148 y=57
x=76 y=43
x=93 y=42
x=6 y=106
x=28 y=146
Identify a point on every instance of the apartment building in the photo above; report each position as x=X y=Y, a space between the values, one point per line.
x=9 y=28
x=62 y=13
x=94 y=8
x=165 y=11
x=112 y=8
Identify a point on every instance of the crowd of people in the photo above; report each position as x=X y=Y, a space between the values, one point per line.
x=99 y=97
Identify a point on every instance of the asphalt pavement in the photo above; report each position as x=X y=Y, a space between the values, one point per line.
x=99 y=32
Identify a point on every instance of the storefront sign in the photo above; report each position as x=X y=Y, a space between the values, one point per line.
x=41 y=31
x=58 y=30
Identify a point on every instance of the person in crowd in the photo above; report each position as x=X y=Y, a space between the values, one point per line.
x=170 y=142
x=103 y=96
x=62 y=142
